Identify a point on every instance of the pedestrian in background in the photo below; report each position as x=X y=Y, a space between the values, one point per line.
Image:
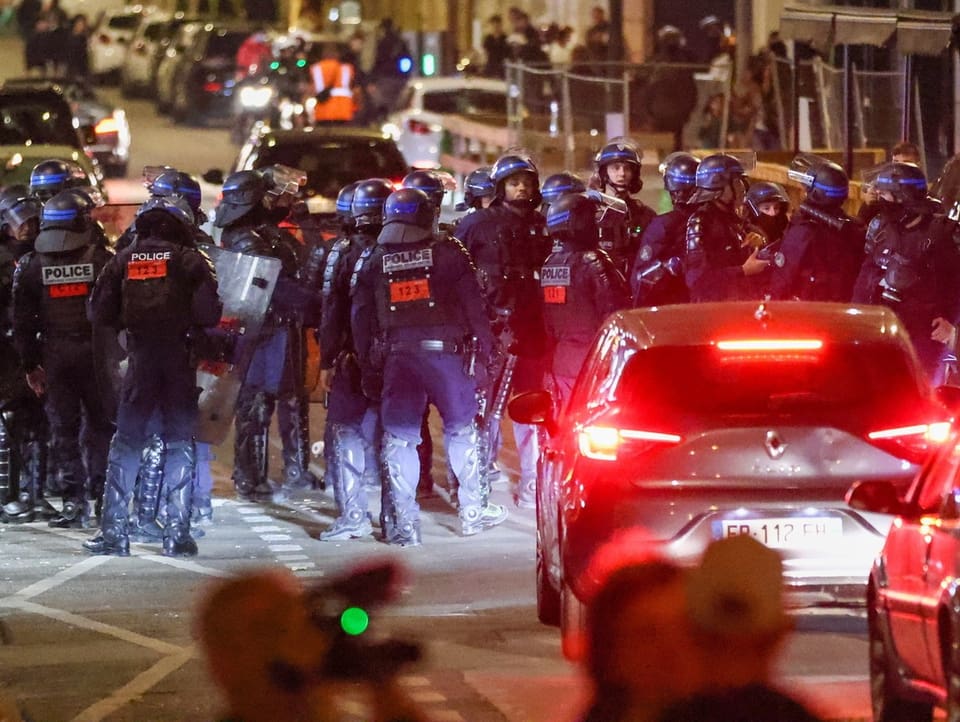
x=75 y=52
x=496 y=48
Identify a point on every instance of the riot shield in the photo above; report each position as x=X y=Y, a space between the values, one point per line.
x=245 y=284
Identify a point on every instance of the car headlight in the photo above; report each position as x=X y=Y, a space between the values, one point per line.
x=251 y=97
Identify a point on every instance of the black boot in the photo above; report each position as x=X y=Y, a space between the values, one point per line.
x=74 y=514
x=146 y=500
x=425 y=488
x=295 y=443
x=123 y=463
x=250 y=448
x=34 y=455
x=178 y=480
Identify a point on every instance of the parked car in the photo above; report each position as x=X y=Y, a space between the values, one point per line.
x=109 y=39
x=106 y=126
x=153 y=35
x=701 y=421
x=417 y=125
x=913 y=593
x=173 y=56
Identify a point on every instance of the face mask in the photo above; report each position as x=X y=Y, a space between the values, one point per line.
x=772 y=226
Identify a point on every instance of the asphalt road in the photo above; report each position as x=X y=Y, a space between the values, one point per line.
x=102 y=638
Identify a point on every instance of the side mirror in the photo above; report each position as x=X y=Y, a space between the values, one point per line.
x=533 y=407
x=949 y=396
x=213 y=176
x=876 y=496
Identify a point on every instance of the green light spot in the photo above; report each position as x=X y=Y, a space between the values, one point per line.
x=354 y=621
x=274 y=65
x=301 y=63
x=429 y=64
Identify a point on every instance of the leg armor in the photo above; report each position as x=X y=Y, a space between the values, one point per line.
x=178 y=471
x=400 y=468
x=146 y=514
x=346 y=473
x=476 y=513
x=123 y=463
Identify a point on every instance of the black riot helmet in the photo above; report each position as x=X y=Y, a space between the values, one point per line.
x=64 y=223
x=242 y=192
x=368 y=201
x=427 y=181
x=177 y=183
x=408 y=216
x=826 y=183
x=766 y=192
x=904 y=181
x=478 y=184
x=509 y=165
x=168 y=217
x=559 y=185
x=11 y=197
x=714 y=174
x=49 y=177
x=680 y=176
x=574 y=217
x=345 y=202
x=619 y=150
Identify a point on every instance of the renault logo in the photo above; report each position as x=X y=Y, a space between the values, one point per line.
x=774 y=445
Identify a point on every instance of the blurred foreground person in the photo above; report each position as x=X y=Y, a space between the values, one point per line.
x=279 y=651
x=735 y=604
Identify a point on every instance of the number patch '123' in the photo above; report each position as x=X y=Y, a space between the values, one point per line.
x=69 y=290
x=554 y=294
x=145 y=270
x=404 y=291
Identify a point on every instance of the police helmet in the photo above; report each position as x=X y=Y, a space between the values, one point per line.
x=573 y=216
x=49 y=177
x=368 y=201
x=408 y=216
x=177 y=183
x=509 y=165
x=345 y=201
x=242 y=192
x=64 y=223
x=427 y=181
x=17 y=207
x=830 y=186
x=766 y=192
x=478 y=184
x=679 y=172
x=169 y=217
x=716 y=172
x=905 y=181
x=619 y=151
x=9 y=197
x=561 y=184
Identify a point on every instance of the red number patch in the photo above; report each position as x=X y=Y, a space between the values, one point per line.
x=144 y=270
x=69 y=290
x=404 y=291
x=554 y=294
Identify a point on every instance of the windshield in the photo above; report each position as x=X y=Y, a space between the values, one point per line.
x=333 y=163
x=29 y=121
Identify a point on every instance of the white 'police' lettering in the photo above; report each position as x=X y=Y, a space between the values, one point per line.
x=555 y=276
x=75 y=273
x=162 y=256
x=405 y=260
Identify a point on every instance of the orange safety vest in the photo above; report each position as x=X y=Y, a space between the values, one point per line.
x=338 y=77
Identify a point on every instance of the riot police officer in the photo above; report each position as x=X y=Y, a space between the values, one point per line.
x=422 y=334
x=49 y=177
x=172 y=182
x=766 y=206
x=156 y=290
x=618 y=171
x=351 y=416
x=581 y=287
x=822 y=248
x=717 y=267
x=478 y=190
x=244 y=216
x=509 y=245
x=559 y=184
x=19 y=219
x=55 y=342
x=656 y=277
x=911 y=262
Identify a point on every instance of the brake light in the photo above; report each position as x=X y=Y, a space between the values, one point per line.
x=912 y=442
x=771 y=344
x=397 y=183
x=418 y=127
x=107 y=125
x=212 y=87
x=604 y=443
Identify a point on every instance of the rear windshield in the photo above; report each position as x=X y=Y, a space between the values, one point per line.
x=466 y=102
x=842 y=379
x=332 y=164
x=27 y=122
x=123 y=22
x=225 y=46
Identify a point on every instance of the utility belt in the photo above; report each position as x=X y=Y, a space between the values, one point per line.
x=433 y=345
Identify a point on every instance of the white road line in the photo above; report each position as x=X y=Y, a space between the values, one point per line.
x=414 y=681
x=187 y=566
x=446 y=715
x=61 y=577
x=300 y=566
x=76 y=620
x=249 y=509
x=259 y=518
x=276 y=537
x=427 y=697
x=263 y=529
x=285 y=548
x=135 y=688
x=292 y=557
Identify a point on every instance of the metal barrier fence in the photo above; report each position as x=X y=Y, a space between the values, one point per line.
x=583 y=104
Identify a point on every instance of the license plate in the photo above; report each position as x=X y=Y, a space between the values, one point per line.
x=787 y=532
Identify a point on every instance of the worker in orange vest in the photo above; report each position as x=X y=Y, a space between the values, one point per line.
x=333 y=83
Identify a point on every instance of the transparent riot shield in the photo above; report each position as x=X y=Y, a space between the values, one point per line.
x=245 y=285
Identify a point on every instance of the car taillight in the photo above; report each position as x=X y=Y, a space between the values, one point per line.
x=418 y=127
x=604 y=443
x=212 y=87
x=771 y=344
x=912 y=442
x=106 y=125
